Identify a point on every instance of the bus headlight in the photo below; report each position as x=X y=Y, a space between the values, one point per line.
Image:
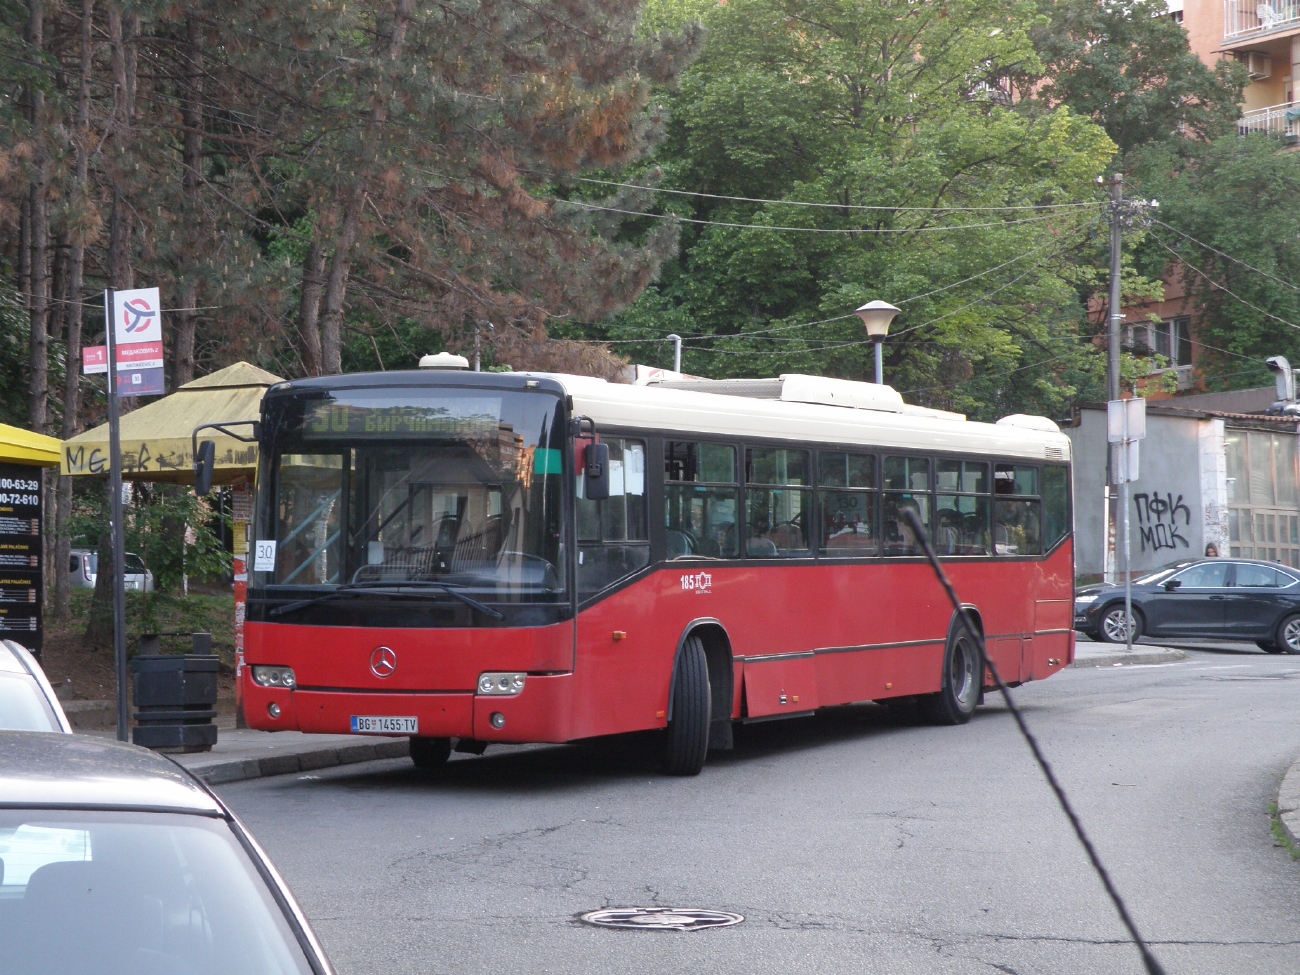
x=501 y=684
x=273 y=676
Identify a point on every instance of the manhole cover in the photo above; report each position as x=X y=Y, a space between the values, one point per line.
x=660 y=918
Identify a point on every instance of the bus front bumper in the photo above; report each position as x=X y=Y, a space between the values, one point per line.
x=537 y=714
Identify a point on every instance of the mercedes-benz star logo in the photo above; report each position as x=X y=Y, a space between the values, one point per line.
x=383 y=662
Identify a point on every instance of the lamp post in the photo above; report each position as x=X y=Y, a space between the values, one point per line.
x=877 y=315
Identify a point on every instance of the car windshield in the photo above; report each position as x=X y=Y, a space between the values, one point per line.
x=22 y=705
x=124 y=893
x=1160 y=575
x=460 y=486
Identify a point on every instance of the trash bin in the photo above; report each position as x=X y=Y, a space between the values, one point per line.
x=175 y=696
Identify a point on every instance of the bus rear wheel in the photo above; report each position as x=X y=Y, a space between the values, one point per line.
x=430 y=754
x=963 y=679
x=686 y=742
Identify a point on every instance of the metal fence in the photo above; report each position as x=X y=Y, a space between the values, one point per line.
x=1242 y=18
x=1278 y=120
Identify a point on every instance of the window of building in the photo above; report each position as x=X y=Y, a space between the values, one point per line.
x=778 y=500
x=1263 y=507
x=848 y=503
x=700 y=500
x=613 y=541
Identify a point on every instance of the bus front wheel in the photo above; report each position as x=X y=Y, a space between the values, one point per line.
x=686 y=742
x=430 y=754
x=963 y=679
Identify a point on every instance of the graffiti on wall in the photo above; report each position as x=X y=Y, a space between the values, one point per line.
x=1158 y=516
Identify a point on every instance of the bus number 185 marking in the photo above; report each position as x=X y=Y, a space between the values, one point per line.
x=699 y=582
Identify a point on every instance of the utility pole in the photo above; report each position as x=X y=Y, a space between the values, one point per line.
x=1114 y=317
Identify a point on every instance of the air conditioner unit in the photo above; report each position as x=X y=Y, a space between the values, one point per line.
x=1258 y=65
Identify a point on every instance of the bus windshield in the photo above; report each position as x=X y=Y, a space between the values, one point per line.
x=384 y=486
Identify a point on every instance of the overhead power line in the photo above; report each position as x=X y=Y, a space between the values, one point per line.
x=1201 y=243
x=806 y=230
x=838 y=206
x=1221 y=287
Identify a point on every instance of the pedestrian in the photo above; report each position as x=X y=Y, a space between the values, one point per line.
x=1211 y=550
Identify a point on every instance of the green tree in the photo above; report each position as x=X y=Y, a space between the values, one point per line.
x=1126 y=65
x=1236 y=195
x=891 y=106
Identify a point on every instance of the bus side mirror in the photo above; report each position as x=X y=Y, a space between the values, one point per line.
x=596 y=471
x=205 y=462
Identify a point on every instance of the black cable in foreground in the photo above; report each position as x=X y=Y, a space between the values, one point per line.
x=923 y=539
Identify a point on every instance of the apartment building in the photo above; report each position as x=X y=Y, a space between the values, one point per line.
x=1265 y=37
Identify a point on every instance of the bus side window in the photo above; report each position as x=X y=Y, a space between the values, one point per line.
x=1017 y=512
x=961 y=516
x=1056 y=505
x=700 y=500
x=848 y=504
x=907 y=485
x=613 y=536
x=777 y=503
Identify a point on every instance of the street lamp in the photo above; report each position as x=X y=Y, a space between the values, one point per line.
x=877 y=315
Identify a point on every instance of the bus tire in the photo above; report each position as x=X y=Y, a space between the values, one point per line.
x=963 y=679
x=686 y=742
x=430 y=754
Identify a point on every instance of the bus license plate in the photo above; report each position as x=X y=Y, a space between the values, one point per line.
x=377 y=725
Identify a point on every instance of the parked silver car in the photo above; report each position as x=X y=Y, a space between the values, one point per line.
x=119 y=862
x=83 y=567
x=27 y=702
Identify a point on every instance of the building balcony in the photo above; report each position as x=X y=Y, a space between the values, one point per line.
x=1247 y=19
x=1278 y=120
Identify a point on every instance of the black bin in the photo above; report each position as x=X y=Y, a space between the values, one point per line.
x=175 y=698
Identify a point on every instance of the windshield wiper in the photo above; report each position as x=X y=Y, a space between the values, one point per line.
x=390 y=589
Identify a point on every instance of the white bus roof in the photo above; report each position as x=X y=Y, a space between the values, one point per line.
x=871 y=416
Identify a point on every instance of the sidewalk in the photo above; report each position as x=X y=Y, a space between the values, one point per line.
x=246 y=754
x=1088 y=653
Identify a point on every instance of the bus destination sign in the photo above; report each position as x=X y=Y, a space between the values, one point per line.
x=477 y=417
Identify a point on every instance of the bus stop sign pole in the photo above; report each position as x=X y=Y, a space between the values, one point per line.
x=1126 y=425
x=117 y=527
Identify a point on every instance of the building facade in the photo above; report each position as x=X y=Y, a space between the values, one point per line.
x=1211 y=474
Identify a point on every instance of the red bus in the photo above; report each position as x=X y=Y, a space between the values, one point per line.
x=443 y=554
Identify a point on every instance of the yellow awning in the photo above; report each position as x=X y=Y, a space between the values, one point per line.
x=20 y=446
x=156 y=439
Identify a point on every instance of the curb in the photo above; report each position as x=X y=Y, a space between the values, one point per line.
x=240 y=769
x=1167 y=655
x=1288 y=802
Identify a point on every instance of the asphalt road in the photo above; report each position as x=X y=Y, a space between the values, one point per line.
x=851 y=842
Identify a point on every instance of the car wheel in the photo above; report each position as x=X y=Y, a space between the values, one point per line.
x=1112 y=625
x=1268 y=646
x=1288 y=634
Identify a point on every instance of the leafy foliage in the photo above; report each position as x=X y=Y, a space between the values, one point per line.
x=892 y=106
x=1236 y=194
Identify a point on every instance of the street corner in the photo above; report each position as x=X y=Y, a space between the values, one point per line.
x=1114 y=655
x=1288 y=803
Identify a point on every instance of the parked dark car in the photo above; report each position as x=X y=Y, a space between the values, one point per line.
x=116 y=861
x=1211 y=599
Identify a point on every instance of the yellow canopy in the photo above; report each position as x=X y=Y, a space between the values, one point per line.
x=24 y=447
x=157 y=440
